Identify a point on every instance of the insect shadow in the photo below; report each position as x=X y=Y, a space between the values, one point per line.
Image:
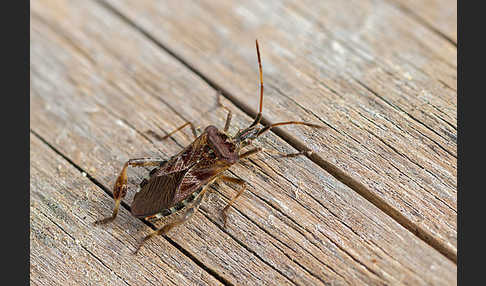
x=181 y=182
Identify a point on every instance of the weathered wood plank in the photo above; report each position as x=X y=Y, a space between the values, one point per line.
x=93 y=143
x=53 y=248
x=67 y=250
x=92 y=98
x=382 y=82
x=438 y=14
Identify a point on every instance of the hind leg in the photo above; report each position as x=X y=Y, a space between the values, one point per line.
x=120 y=187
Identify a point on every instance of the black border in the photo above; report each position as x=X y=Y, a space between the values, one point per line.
x=15 y=196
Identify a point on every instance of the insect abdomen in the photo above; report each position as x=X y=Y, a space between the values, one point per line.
x=179 y=206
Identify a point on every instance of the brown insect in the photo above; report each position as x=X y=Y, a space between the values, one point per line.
x=182 y=181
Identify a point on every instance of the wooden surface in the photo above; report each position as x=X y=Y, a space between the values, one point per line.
x=376 y=203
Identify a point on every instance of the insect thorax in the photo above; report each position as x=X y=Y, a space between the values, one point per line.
x=222 y=145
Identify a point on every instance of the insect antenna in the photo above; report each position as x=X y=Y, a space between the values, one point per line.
x=259 y=115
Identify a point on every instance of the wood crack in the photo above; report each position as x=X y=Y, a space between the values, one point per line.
x=307 y=270
x=332 y=213
x=181 y=146
x=356 y=50
x=126 y=206
x=291 y=219
x=321 y=120
x=74 y=239
x=330 y=168
x=103 y=88
x=410 y=160
x=409 y=115
x=277 y=239
x=423 y=22
x=210 y=271
x=357 y=260
x=247 y=248
x=393 y=258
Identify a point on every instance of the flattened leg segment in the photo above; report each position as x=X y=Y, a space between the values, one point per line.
x=120 y=187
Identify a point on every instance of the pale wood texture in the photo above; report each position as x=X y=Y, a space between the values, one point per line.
x=375 y=205
x=439 y=15
x=383 y=83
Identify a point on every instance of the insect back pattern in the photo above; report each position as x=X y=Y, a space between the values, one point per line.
x=180 y=183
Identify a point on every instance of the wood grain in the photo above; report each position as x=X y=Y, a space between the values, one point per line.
x=441 y=16
x=98 y=84
x=382 y=82
x=67 y=250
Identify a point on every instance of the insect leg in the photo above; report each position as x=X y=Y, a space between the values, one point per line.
x=120 y=187
x=250 y=152
x=229 y=116
x=288 y=155
x=240 y=182
x=160 y=138
x=281 y=154
x=190 y=210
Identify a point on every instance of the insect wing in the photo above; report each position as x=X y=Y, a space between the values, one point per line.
x=157 y=194
x=194 y=180
x=187 y=158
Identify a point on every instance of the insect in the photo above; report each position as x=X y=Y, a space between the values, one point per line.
x=180 y=183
